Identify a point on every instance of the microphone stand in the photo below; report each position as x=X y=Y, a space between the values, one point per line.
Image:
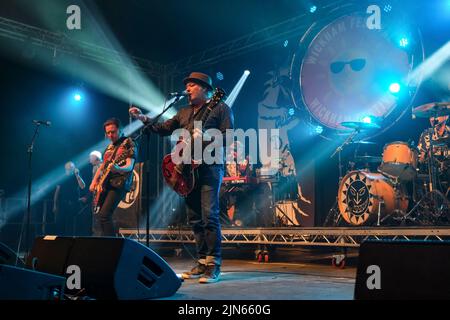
x=28 y=213
x=145 y=130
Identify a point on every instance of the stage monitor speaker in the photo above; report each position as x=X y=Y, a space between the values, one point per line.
x=110 y=268
x=8 y=256
x=403 y=270
x=22 y=284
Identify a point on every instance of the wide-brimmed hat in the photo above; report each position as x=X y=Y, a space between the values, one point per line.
x=199 y=78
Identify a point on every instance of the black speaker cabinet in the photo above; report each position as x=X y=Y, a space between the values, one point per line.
x=403 y=270
x=8 y=256
x=22 y=284
x=110 y=268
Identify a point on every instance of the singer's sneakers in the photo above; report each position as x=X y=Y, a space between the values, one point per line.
x=195 y=272
x=211 y=275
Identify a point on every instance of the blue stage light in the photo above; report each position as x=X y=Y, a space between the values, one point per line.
x=77 y=97
x=403 y=42
x=366 y=119
x=387 y=8
x=312 y=9
x=318 y=129
x=219 y=76
x=394 y=87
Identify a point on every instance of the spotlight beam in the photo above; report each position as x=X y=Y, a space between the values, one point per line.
x=47 y=183
x=118 y=75
x=237 y=88
x=430 y=65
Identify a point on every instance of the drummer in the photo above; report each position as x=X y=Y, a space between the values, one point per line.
x=440 y=132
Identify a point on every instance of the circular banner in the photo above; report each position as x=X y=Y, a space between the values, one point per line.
x=344 y=73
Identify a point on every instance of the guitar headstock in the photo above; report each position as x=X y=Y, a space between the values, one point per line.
x=124 y=155
x=218 y=95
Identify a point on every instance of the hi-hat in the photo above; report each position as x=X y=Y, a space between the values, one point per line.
x=359 y=125
x=434 y=109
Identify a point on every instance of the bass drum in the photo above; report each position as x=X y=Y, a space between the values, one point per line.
x=362 y=194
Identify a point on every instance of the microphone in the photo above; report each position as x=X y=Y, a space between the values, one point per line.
x=178 y=94
x=45 y=123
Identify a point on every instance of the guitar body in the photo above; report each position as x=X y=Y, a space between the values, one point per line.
x=181 y=178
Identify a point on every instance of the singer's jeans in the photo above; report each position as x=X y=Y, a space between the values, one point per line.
x=203 y=214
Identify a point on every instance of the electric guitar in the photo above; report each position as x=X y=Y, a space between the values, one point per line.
x=99 y=191
x=181 y=177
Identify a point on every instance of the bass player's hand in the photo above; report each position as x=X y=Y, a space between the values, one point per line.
x=92 y=187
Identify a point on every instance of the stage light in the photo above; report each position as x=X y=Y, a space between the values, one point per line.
x=318 y=129
x=285 y=44
x=291 y=111
x=246 y=72
x=394 y=87
x=387 y=8
x=219 y=76
x=366 y=119
x=403 y=42
x=77 y=97
x=312 y=9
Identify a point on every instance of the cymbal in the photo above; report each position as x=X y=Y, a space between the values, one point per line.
x=368 y=159
x=359 y=125
x=433 y=109
x=363 y=142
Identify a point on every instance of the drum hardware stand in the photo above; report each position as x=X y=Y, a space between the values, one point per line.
x=379 y=211
x=333 y=213
x=433 y=192
x=341 y=147
x=333 y=218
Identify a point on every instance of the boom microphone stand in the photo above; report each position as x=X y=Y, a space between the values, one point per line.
x=146 y=130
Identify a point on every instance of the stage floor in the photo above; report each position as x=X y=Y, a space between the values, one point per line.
x=243 y=279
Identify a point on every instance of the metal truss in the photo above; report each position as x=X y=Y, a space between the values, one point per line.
x=60 y=42
x=331 y=237
x=250 y=42
x=259 y=39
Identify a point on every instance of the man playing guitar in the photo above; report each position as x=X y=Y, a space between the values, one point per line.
x=203 y=201
x=113 y=179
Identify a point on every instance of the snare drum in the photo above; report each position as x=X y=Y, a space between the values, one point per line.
x=399 y=161
x=363 y=194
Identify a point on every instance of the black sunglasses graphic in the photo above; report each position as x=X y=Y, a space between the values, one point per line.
x=356 y=65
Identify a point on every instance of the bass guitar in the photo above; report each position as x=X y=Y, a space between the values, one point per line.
x=99 y=191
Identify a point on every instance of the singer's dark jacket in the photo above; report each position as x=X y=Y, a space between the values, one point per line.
x=221 y=117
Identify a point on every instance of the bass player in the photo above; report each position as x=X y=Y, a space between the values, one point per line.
x=113 y=179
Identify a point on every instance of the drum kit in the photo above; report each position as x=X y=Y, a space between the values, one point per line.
x=401 y=190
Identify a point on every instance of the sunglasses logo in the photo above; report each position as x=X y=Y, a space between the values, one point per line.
x=356 y=65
